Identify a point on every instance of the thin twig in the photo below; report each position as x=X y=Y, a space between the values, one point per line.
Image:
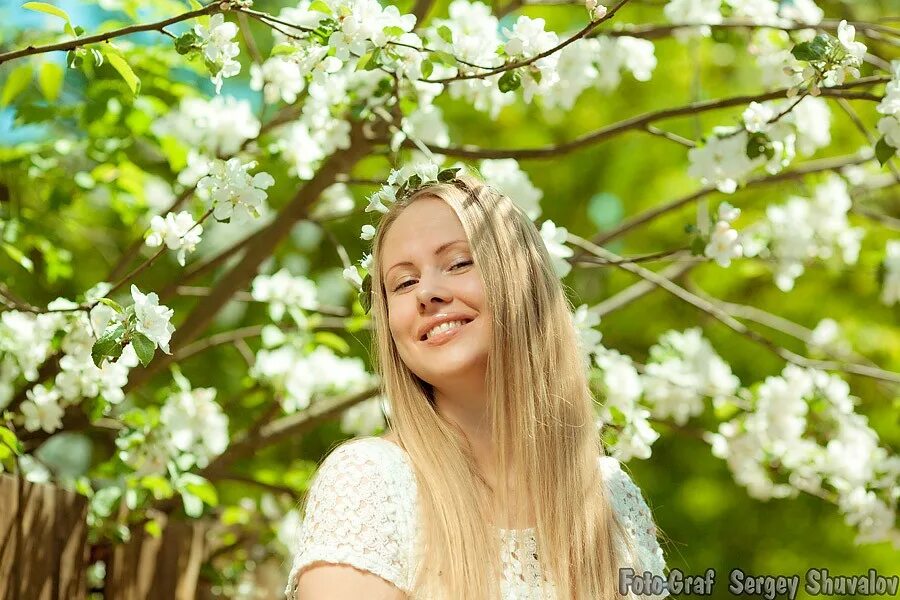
x=217 y=6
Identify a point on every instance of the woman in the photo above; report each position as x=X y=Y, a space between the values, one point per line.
x=493 y=452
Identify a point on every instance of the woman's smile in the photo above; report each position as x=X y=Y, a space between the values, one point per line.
x=443 y=336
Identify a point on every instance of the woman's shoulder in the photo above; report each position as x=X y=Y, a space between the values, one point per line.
x=625 y=494
x=629 y=503
x=372 y=459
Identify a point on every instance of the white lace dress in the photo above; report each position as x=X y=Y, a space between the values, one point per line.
x=362 y=511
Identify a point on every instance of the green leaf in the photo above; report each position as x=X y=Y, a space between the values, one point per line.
x=17 y=255
x=373 y=62
x=363 y=61
x=282 y=49
x=143 y=347
x=121 y=65
x=759 y=144
x=816 y=49
x=106 y=344
x=332 y=340
x=9 y=440
x=157 y=485
x=427 y=68
x=446 y=34
x=112 y=304
x=185 y=43
x=105 y=500
x=448 y=174
x=884 y=151
x=16 y=83
x=365 y=296
x=509 y=81
x=445 y=58
x=698 y=246
x=50 y=10
x=203 y=489
x=320 y=6
x=50 y=79
x=153 y=528
x=193 y=506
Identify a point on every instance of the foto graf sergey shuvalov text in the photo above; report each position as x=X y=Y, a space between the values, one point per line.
x=815 y=582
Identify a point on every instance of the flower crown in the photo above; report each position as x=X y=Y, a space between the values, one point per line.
x=401 y=185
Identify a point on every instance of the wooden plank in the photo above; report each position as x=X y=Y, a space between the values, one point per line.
x=43 y=541
x=164 y=568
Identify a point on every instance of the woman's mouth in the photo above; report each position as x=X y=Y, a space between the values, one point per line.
x=445 y=332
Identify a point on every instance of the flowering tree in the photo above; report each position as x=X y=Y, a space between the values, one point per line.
x=253 y=195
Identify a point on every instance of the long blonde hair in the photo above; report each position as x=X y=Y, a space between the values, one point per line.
x=541 y=412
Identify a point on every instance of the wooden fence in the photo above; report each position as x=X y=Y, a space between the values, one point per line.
x=44 y=552
x=43 y=541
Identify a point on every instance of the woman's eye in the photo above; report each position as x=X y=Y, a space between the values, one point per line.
x=459 y=264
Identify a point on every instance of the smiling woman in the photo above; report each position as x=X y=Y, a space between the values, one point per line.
x=493 y=482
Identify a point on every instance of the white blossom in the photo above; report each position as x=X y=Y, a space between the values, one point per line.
x=757 y=116
x=846 y=34
x=218 y=47
x=195 y=424
x=890 y=128
x=890 y=290
x=708 y=12
x=279 y=78
x=283 y=291
x=722 y=161
x=234 y=192
x=802 y=11
x=724 y=244
x=351 y=274
x=219 y=126
x=622 y=388
x=153 y=318
x=300 y=376
x=554 y=239
x=527 y=39
x=506 y=175
x=585 y=320
x=377 y=201
x=475 y=39
x=41 y=409
x=364 y=418
x=177 y=231
x=367 y=233
x=683 y=369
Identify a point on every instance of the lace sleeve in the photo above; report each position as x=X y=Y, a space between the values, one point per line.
x=631 y=507
x=353 y=516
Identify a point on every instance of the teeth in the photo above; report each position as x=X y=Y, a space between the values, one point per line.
x=444 y=327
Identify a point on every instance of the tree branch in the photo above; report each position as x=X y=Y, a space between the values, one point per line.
x=641 y=122
x=732 y=323
x=217 y=6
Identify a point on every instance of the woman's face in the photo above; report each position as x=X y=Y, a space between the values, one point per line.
x=430 y=277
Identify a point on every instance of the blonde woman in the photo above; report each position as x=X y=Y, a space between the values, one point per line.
x=492 y=483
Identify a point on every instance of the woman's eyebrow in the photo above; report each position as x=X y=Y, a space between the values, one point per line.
x=439 y=249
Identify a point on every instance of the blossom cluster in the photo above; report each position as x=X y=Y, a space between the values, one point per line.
x=804 y=422
x=94 y=361
x=298 y=375
x=234 y=192
x=770 y=136
x=188 y=430
x=805 y=229
x=889 y=124
x=178 y=231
